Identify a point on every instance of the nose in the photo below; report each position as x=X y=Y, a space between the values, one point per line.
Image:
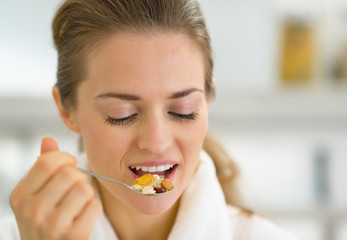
x=154 y=134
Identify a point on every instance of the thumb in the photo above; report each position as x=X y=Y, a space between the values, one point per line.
x=48 y=144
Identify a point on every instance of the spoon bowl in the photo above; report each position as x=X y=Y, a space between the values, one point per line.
x=121 y=183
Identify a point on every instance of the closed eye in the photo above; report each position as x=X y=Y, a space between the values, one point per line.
x=184 y=117
x=130 y=119
x=121 y=121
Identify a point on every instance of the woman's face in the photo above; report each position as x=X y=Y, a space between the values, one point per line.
x=143 y=105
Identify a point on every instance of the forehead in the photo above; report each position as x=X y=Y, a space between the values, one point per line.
x=129 y=59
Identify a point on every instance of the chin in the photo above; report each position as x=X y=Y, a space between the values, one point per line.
x=153 y=205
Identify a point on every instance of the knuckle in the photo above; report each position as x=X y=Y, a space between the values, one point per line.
x=48 y=161
x=19 y=204
x=96 y=206
x=71 y=175
x=68 y=155
x=66 y=174
x=35 y=214
x=15 y=200
x=85 y=189
x=45 y=164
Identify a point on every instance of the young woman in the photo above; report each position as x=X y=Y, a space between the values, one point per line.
x=135 y=82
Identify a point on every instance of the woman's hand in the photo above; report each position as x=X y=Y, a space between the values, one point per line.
x=54 y=200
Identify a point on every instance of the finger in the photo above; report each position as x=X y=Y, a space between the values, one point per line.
x=84 y=223
x=48 y=144
x=58 y=186
x=44 y=169
x=62 y=217
x=74 y=201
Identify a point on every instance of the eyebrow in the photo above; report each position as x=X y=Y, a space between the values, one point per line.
x=184 y=93
x=122 y=96
x=130 y=97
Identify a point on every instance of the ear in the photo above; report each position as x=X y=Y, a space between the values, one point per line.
x=68 y=116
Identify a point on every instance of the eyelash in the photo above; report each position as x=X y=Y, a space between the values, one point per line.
x=128 y=120
x=120 y=121
x=184 y=117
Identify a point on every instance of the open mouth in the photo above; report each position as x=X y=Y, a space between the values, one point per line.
x=164 y=171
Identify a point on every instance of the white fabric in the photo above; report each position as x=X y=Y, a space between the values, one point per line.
x=203 y=214
x=9 y=229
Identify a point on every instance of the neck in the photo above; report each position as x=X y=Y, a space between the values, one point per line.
x=131 y=224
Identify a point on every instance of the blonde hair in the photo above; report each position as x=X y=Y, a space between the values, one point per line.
x=80 y=24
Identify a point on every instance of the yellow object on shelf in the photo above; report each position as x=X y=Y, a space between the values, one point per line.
x=297 y=53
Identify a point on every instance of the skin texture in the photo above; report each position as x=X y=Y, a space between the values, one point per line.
x=155 y=84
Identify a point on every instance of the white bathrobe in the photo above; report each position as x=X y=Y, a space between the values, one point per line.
x=202 y=214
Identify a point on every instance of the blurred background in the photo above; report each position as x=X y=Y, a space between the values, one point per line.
x=280 y=110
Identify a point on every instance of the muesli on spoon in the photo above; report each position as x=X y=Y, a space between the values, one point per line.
x=150 y=184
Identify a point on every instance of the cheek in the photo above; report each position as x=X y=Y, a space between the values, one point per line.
x=190 y=145
x=192 y=142
x=197 y=133
x=94 y=133
x=103 y=144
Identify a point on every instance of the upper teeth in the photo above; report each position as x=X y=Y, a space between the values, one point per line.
x=152 y=168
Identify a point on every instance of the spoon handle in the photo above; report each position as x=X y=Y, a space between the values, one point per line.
x=105 y=178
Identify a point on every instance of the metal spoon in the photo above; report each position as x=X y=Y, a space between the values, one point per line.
x=121 y=183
